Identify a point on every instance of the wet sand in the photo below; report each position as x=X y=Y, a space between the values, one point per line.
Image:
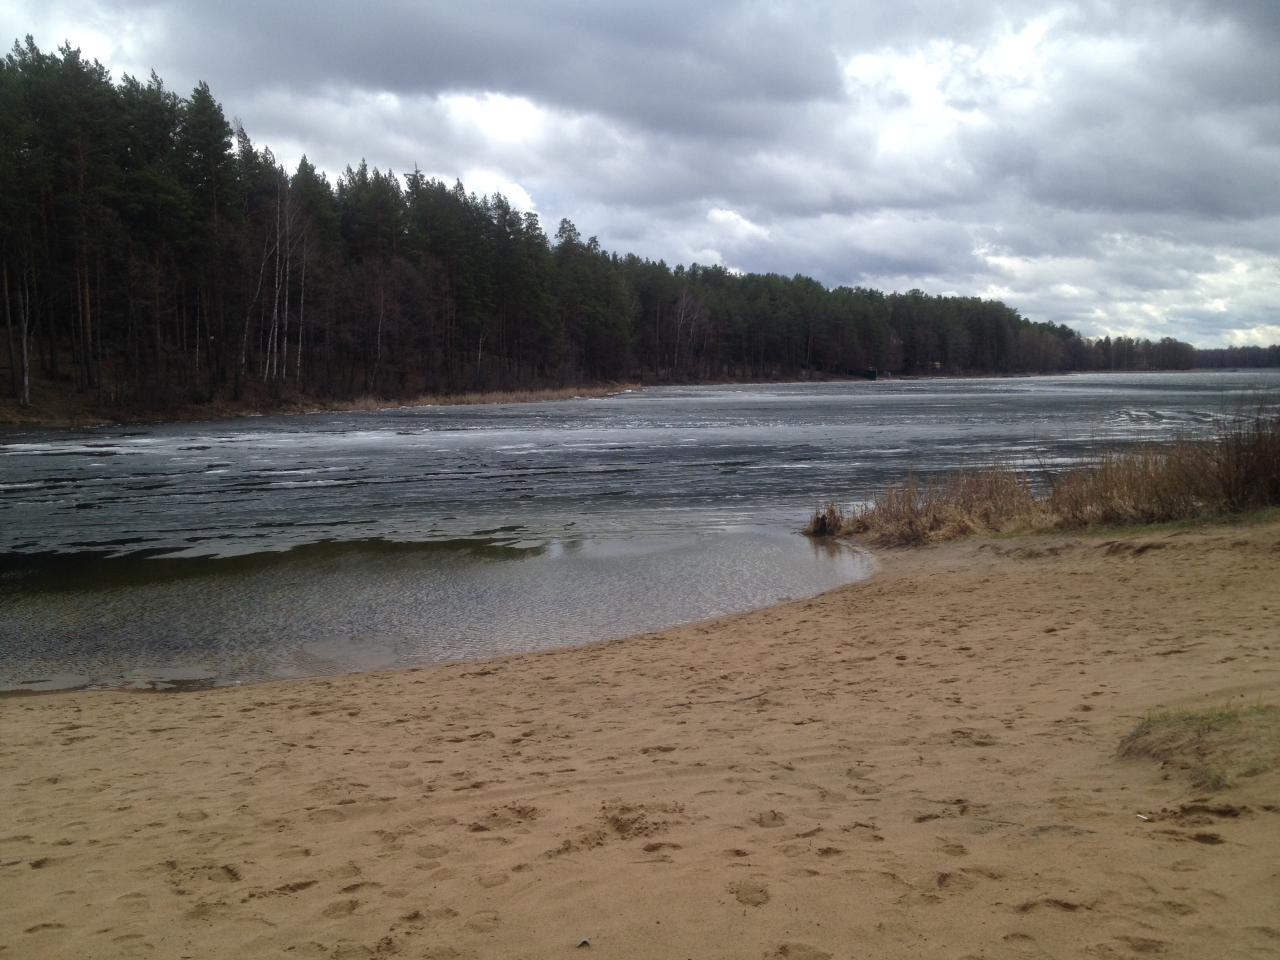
x=920 y=765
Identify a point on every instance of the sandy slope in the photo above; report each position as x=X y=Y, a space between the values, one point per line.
x=918 y=766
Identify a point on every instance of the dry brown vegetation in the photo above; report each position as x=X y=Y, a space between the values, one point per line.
x=486 y=396
x=1236 y=470
x=990 y=499
x=826 y=521
x=51 y=408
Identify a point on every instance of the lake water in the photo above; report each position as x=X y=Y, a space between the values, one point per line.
x=288 y=546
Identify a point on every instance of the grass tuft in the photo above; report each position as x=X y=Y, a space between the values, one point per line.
x=1214 y=747
x=826 y=521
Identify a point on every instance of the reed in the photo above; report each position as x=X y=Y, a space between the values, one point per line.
x=991 y=499
x=1236 y=470
x=826 y=521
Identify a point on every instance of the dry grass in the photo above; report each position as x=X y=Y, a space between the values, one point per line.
x=1214 y=747
x=993 y=499
x=1235 y=471
x=826 y=521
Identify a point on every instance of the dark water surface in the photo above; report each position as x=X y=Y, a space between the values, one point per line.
x=285 y=546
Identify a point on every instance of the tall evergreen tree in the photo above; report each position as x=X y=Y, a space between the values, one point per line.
x=150 y=254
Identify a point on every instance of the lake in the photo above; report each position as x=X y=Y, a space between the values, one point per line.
x=268 y=547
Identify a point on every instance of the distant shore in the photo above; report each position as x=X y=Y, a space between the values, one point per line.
x=53 y=409
x=62 y=412
x=59 y=410
x=922 y=764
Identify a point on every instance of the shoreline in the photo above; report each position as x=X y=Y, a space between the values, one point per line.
x=19 y=418
x=86 y=416
x=919 y=764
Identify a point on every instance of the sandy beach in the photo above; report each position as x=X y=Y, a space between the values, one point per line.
x=921 y=765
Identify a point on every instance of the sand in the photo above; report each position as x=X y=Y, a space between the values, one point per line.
x=921 y=765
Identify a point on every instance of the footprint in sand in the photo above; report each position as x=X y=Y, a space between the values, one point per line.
x=326 y=815
x=348 y=950
x=420 y=917
x=505 y=817
x=1024 y=946
x=1055 y=903
x=953 y=881
x=751 y=893
x=343 y=871
x=770 y=818
x=490 y=880
x=486 y=921
x=341 y=908
x=309 y=948
x=658 y=846
x=1144 y=944
x=799 y=951
x=132 y=945
x=207 y=910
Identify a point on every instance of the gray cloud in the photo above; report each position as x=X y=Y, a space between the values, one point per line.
x=1111 y=166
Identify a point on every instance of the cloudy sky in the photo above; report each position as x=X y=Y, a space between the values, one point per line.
x=1110 y=165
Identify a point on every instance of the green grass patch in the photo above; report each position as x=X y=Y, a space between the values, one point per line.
x=1214 y=748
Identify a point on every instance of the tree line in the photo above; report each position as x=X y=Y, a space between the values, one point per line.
x=151 y=254
x=1226 y=357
